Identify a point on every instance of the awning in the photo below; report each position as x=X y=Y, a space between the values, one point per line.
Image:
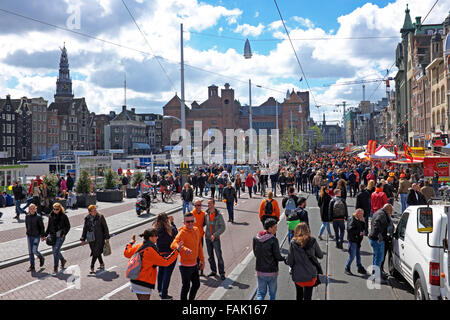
x=141 y=146
x=383 y=154
x=404 y=161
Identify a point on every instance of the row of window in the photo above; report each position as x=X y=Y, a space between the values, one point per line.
x=8 y=116
x=8 y=128
x=438 y=97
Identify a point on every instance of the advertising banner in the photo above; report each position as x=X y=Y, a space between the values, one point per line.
x=438 y=164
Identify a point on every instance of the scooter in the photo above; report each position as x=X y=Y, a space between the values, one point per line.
x=143 y=203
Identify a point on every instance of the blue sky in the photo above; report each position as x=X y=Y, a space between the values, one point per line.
x=30 y=56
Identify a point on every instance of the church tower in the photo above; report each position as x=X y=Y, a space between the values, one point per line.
x=64 y=82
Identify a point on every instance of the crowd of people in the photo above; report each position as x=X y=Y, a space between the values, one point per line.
x=331 y=178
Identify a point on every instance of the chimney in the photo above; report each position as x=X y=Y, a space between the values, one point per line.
x=418 y=21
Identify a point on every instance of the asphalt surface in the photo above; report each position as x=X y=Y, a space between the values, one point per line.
x=75 y=282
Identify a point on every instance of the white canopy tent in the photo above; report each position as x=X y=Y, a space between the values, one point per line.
x=383 y=154
x=362 y=155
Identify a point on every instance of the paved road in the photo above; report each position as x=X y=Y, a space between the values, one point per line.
x=111 y=284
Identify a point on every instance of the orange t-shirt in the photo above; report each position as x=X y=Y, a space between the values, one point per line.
x=199 y=221
x=211 y=218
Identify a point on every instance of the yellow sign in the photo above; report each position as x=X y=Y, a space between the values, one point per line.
x=418 y=152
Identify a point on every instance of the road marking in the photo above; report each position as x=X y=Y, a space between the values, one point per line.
x=109 y=269
x=25 y=285
x=109 y=295
x=60 y=291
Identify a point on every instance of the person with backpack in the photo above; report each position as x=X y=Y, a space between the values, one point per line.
x=302 y=258
x=167 y=232
x=294 y=217
x=269 y=209
x=338 y=213
x=267 y=252
x=95 y=233
x=144 y=257
x=191 y=257
x=355 y=235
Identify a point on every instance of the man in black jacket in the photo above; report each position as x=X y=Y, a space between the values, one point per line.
x=290 y=195
x=267 y=252
x=229 y=195
x=338 y=213
x=35 y=230
x=363 y=202
x=380 y=233
x=18 y=192
x=69 y=182
x=415 y=197
x=355 y=235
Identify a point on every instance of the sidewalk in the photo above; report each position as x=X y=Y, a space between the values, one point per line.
x=15 y=250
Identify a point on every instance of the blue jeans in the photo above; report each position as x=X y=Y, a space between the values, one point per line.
x=263 y=284
x=353 y=251
x=212 y=247
x=164 y=275
x=186 y=206
x=56 y=249
x=33 y=244
x=290 y=235
x=19 y=210
x=322 y=228
x=403 y=197
x=339 y=230
x=230 y=209
x=315 y=190
x=378 y=252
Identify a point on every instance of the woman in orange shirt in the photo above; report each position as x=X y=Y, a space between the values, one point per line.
x=151 y=258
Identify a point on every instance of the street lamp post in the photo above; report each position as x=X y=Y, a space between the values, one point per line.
x=248 y=55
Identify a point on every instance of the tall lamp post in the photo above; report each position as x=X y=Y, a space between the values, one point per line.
x=248 y=55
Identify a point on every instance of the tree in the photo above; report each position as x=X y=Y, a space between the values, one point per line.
x=52 y=185
x=111 y=180
x=317 y=138
x=138 y=176
x=287 y=144
x=83 y=185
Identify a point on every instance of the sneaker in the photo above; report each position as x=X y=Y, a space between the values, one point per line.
x=31 y=269
x=167 y=297
x=41 y=262
x=331 y=237
x=92 y=270
x=16 y=217
x=102 y=266
x=320 y=237
x=212 y=274
x=222 y=277
x=63 y=263
x=348 y=272
x=362 y=270
x=55 y=270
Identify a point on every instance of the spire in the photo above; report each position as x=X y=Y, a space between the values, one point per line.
x=64 y=82
x=407 y=24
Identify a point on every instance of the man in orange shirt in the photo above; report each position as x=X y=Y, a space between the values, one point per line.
x=191 y=257
x=269 y=208
x=199 y=216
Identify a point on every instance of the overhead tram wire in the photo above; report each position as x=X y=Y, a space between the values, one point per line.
x=133 y=49
x=295 y=52
x=130 y=48
x=148 y=44
x=429 y=12
x=295 y=39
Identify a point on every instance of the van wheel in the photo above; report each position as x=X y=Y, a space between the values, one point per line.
x=418 y=291
x=392 y=271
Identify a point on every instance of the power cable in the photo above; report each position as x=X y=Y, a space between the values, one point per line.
x=151 y=50
x=295 y=52
x=429 y=12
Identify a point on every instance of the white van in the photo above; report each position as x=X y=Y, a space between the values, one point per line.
x=420 y=251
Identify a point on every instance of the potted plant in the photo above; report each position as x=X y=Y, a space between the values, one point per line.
x=52 y=186
x=133 y=192
x=83 y=188
x=110 y=191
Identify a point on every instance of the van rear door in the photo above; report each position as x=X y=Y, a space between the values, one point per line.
x=446 y=266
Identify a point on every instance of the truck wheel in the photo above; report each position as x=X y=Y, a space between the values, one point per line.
x=392 y=271
x=418 y=291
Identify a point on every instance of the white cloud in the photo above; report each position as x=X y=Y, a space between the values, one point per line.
x=275 y=25
x=246 y=29
x=256 y=14
x=305 y=22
